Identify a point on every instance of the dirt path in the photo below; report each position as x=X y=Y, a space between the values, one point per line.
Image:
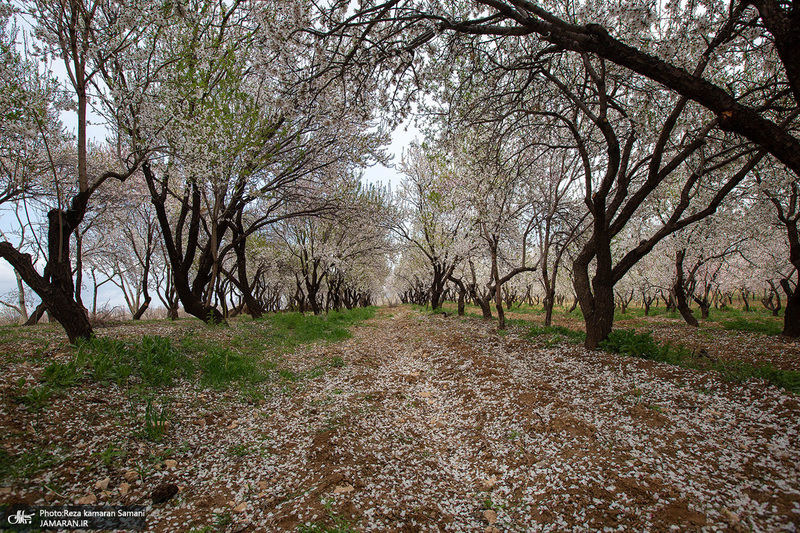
x=440 y=424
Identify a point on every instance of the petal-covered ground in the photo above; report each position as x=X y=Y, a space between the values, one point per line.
x=430 y=423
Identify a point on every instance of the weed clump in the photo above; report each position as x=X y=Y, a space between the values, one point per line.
x=643 y=346
x=557 y=334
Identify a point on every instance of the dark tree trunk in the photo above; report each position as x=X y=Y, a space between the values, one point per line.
x=462 y=294
x=497 y=284
x=574 y=305
x=596 y=298
x=254 y=307
x=791 y=317
x=182 y=260
x=767 y=301
x=680 y=295
x=549 y=303
x=705 y=306
x=37 y=315
x=437 y=286
x=647 y=302
x=145 y=279
x=299 y=295
x=600 y=319
x=704 y=302
x=55 y=287
x=143 y=308
x=485 y=303
x=79 y=269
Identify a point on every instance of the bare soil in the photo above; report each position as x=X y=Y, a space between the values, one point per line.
x=433 y=424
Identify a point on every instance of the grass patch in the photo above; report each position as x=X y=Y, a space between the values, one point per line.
x=154 y=361
x=289 y=330
x=36 y=398
x=767 y=327
x=109 y=456
x=240 y=450
x=220 y=366
x=61 y=375
x=643 y=346
x=556 y=334
x=740 y=371
x=156 y=421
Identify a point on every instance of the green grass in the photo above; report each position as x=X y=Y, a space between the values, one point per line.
x=288 y=330
x=220 y=366
x=240 y=450
x=61 y=375
x=249 y=358
x=246 y=357
x=110 y=455
x=643 y=346
x=156 y=421
x=556 y=334
x=767 y=327
x=36 y=398
x=154 y=361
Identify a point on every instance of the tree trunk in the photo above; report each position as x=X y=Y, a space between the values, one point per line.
x=680 y=295
x=79 y=268
x=485 y=304
x=596 y=298
x=501 y=314
x=23 y=309
x=254 y=306
x=549 y=303
x=37 y=315
x=462 y=294
x=181 y=263
x=143 y=308
x=145 y=281
x=498 y=287
x=767 y=302
x=574 y=305
x=600 y=319
x=437 y=286
x=791 y=317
